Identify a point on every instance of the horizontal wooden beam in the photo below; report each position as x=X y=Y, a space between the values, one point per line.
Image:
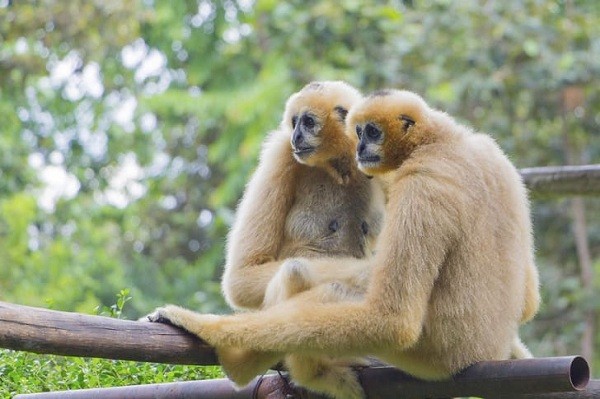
x=63 y=333
x=38 y=330
x=378 y=382
x=562 y=180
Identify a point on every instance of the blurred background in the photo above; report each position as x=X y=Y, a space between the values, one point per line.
x=129 y=128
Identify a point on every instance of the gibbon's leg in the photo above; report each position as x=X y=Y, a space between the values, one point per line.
x=532 y=293
x=257 y=235
x=333 y=377
x=242 y=365
x=518 y=350
x=325 y=375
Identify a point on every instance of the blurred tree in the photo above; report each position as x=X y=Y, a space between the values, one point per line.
x=130 y=129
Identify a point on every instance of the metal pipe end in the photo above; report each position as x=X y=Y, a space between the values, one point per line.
x=579 y=373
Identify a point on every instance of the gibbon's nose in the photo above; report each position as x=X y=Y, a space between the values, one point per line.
x=361 y=148
x=297 y=138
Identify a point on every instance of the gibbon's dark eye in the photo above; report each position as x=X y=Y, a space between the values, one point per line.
x=408 y=121
x=365 y=227
x=294 y=121
x=359 y=131
x=309 y=121
x=334 y=226
x=372 y=132
x=342 y=112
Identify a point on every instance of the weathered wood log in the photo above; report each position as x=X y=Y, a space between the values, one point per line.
x=562 y=180
x=492 y=380
x=71 y=334
x=62 y=333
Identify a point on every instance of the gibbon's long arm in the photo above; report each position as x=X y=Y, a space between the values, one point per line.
x=391 y=318
x=258 y=231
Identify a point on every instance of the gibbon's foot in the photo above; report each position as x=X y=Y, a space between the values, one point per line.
x=325 y=376
x=241 y=365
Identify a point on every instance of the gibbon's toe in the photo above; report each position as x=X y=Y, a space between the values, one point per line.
x=158 y=316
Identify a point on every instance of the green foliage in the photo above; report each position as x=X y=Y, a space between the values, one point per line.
x=22 y=373
x=116 y=310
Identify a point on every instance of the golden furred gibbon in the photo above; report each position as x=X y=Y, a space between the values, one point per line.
x=453 y=271
x=305 y=199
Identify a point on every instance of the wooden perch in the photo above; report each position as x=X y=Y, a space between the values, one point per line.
x=71 y=334
x=62 y=333
x=549 y=378
x=563 y=180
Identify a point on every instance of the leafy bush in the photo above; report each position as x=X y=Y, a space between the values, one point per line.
x=22 y=372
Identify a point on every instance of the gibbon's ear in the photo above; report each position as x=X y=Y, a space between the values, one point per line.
x=407 y=121
x=342 y=112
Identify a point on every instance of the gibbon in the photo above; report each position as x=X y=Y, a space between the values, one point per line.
x=453 y=270
x=305 y=199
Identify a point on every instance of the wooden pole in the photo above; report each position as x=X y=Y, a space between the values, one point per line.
x=38 y=330
x=271 y=387
x=492 y=380
x=62 y=333
x=563 y=180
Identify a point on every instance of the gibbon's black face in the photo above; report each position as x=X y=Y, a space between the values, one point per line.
x=305 y=137
x=382 y=145
x=369 y=151
x=390 y=125
x=311 y=132
x=315 y=119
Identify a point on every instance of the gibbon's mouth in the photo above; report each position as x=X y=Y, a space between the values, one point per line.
x=371 y=159
x=303 y=151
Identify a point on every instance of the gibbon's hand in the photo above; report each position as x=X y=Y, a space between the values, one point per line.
x=240 y=365
x=293 y=277
x=177 y=316
x=156 y=317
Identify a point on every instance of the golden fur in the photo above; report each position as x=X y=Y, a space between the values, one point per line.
x=290 y=207
x=454 y=271
x=302 y=205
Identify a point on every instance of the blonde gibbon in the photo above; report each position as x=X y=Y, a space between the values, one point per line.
x=307 y=198
x=453 y=270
